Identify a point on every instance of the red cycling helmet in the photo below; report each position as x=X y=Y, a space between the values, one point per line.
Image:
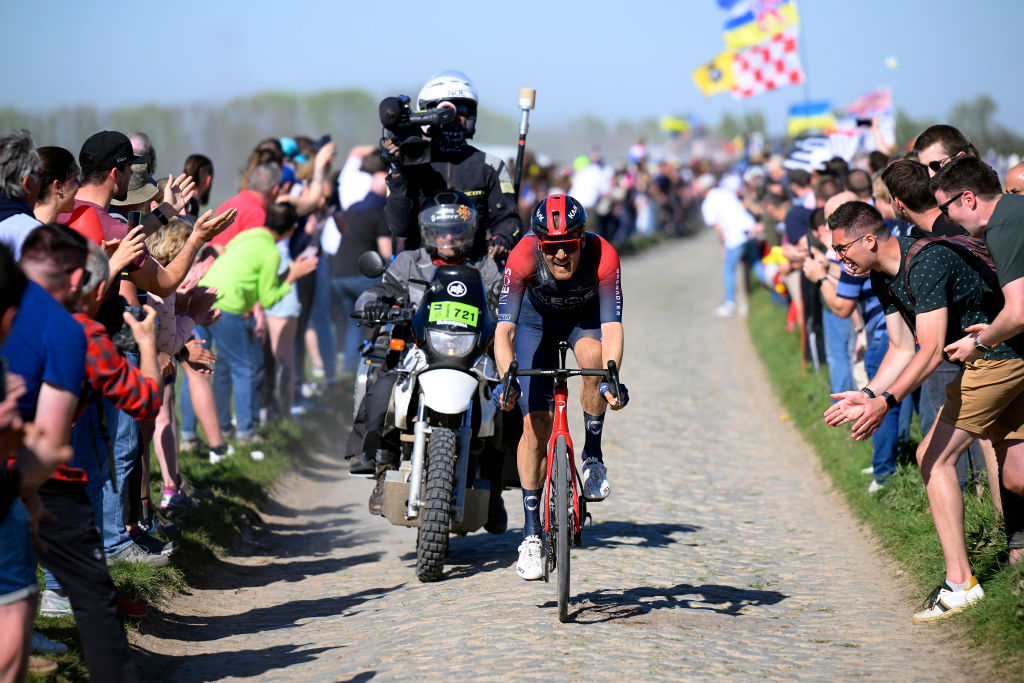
x=559 y=217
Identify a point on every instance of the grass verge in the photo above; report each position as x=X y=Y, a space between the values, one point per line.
x=899 y=513
x=238 y=487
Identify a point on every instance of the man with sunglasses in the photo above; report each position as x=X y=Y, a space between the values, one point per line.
x=970 y=192
x=561 y=284
x=940 y=144
x=941 y=296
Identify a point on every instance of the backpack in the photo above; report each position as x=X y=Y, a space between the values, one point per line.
x=971 y=249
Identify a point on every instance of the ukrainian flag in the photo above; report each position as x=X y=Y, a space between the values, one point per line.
x=810 y=116
x=715 y=76
x=753 y=27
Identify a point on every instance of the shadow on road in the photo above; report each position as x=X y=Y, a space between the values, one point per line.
x=229 y=576
x=606 y=605
x=606 y=534
x=238 y=664
x=264 y=619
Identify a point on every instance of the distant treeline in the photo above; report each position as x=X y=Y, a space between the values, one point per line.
x=227 y=132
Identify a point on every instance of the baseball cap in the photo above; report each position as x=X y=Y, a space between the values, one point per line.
x=106 y=150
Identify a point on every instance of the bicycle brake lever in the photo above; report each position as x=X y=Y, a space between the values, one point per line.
x=510 y=376
x=613 y=379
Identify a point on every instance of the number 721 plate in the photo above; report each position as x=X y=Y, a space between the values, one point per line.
x=454 y=312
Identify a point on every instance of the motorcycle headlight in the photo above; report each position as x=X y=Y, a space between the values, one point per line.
x=451 y=344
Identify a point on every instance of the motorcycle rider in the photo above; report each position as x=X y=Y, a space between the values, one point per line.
x=457 y=165
x=447 y=223
x=561 y=284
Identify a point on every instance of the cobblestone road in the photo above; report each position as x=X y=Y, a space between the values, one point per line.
x=720 y=554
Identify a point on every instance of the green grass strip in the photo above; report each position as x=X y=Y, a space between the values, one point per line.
x=899 y=513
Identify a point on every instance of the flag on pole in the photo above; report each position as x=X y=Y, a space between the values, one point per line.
x=875 y=103
x=715 y=76
x=674 y=125
x=752 y=22
x=810 y=116
x=771 y=65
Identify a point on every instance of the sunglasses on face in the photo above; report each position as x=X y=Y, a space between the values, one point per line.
x=944 y=207
x=937 y=165
x=552 y=247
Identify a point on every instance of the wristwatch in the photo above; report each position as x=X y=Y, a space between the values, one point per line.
x=160 y=216
x=981 y=347
x=890 y=400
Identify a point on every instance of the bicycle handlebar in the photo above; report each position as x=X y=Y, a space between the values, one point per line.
x=611 y=374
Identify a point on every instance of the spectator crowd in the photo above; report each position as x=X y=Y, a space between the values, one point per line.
x=902 y=275
x=112 y=282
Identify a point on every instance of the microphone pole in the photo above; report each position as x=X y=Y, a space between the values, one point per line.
x=527 y=97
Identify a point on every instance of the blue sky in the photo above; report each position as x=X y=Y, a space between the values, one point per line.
x=611 y=59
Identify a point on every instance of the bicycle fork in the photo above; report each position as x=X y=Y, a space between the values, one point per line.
x=561 y=400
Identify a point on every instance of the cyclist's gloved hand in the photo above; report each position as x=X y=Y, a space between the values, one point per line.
x=497 y=398
x=376 y=309
x=605 y=389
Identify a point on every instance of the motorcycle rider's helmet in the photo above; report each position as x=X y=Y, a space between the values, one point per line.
x=448 y=224
x=455 y=87
x=559 y=220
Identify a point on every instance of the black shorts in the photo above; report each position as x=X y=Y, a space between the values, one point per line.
x=536 y=346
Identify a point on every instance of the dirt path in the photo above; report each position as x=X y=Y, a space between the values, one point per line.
x=721 y=552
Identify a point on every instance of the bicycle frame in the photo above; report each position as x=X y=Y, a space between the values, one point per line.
x=560 y=427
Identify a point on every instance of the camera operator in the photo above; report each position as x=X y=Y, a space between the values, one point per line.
x=422 y=167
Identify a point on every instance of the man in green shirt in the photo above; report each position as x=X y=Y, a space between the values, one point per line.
x=946 y=296
x=246 y=274
x=968 y=190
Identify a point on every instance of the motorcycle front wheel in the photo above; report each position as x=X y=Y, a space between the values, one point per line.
x=435 y=512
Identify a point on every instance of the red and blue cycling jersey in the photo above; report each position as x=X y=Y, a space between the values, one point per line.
x=595 y=286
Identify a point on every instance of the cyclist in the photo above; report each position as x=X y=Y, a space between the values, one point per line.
x=454 y=164
x=447 y=223
x=561 y=284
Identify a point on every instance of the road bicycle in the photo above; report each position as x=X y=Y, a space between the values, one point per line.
x=565 y=509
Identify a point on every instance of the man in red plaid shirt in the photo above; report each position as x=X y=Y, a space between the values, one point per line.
x=74 y=550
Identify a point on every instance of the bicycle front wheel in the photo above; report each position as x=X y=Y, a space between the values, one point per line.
x=563 y=530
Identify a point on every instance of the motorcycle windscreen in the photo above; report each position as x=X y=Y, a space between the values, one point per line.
x=447 y=391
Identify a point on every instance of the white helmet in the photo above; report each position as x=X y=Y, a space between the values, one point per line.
x=447 y=85
x=455 y=87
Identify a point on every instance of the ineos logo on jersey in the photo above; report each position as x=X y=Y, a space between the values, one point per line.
x=456 y=288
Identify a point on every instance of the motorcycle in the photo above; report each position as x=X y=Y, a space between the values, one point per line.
x=441 y=407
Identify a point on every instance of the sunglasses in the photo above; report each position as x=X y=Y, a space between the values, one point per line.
x=937 y=165
x=944 y=207
x=840 y=249
x=552 y=247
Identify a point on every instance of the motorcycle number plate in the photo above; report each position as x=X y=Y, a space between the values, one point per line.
x=454 y=312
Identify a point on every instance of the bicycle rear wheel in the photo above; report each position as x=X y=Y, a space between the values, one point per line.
x=563 y=531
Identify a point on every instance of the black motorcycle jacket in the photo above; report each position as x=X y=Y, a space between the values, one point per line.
x=484 y=178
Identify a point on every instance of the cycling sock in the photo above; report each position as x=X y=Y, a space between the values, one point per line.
x=593 y=426
x=531 y=506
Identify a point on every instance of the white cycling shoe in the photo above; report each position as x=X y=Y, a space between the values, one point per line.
x=530 y=566
x=595 y=480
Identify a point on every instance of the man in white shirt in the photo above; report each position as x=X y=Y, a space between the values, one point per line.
x=723 y=209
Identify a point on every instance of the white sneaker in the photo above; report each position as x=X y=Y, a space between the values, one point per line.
x=530 y=565
x=868 y=470
x=595 y=480
x=944 y=601
x=726 y=310
x=875 y=487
